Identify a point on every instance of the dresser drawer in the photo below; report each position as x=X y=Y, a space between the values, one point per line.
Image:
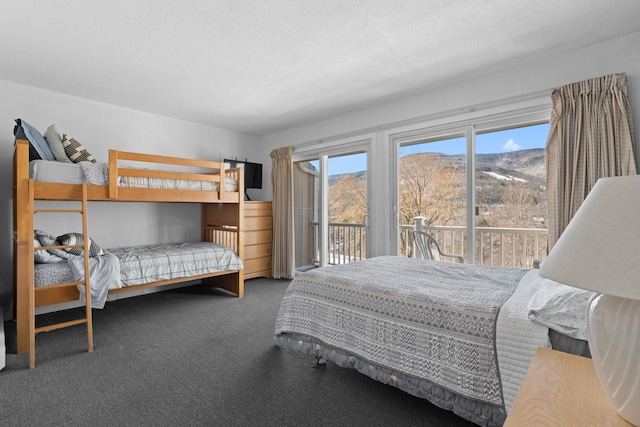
x=257 y=251
x=257 y=237
x=257 y=265
x=258 y=223
x=252 y=209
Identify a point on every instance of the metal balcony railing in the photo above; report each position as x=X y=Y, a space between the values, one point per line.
x=347 y=242
x=504 y=247
x=498 y=247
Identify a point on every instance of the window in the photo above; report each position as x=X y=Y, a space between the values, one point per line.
x=331 y=204
x=493 y=215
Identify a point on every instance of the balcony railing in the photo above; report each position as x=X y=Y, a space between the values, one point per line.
x=498 y=247
x=504 y=247
x=347 y=242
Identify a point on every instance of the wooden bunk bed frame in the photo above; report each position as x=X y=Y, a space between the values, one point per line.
x=222 y=222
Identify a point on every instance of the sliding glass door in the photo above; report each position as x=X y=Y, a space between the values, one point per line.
x=432 y=191
x=331 y=207
x=510 y=196
x=478 y=188
x=306 y=206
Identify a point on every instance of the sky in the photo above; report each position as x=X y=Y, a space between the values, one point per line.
x=494 y=142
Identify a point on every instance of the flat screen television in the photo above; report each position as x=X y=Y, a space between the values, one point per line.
x=252 y=173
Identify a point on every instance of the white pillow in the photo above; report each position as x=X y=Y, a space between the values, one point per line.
x=54 y=139
x=561 y=308
x=44 y=257
x=46 y=239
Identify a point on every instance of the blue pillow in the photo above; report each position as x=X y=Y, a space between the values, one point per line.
x=39 y=147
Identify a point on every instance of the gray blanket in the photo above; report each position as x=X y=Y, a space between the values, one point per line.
x=424 y=319
x=104 y=274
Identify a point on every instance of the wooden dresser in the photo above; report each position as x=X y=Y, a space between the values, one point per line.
x=258 y=226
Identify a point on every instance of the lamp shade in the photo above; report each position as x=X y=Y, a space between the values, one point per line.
x=600 y=248
x=598 y=251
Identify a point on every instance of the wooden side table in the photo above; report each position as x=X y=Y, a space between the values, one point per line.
x=562 y=389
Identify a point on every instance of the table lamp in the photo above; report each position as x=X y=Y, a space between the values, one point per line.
x=600 y=251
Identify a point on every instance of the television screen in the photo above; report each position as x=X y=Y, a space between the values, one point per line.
x=252 y=172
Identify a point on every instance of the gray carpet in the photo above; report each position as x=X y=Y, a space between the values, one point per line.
x=193 y=356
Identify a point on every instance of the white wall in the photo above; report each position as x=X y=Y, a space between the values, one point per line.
x=540 y=76
x=100 y=127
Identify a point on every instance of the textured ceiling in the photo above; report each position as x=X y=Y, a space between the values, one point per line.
x=259 y=66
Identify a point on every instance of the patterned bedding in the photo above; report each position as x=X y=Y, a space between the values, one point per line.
x=152 y=263
x=426 y=327
x=98 y=174
x=144 y=264
x=49 y=274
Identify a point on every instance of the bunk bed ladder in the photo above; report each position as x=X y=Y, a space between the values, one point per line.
x=33 y=291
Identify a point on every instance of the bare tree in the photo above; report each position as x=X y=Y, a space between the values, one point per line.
x=348 y=205
x=348 y=199
x=519 y=209
x=430 y=189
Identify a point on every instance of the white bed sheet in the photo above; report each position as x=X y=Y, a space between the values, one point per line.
x=517 y=337
x=48 y=171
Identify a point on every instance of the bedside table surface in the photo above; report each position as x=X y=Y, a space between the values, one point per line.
x=562 y=389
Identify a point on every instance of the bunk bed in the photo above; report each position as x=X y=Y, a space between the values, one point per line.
x=219 y=190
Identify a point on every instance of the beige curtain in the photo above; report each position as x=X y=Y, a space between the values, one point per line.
x=282 y=184
x=590 y=137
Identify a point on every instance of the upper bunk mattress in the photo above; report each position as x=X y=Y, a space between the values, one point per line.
x=98 y=174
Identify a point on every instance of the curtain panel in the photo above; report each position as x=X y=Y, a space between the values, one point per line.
x=283 y=263
x=591 y=136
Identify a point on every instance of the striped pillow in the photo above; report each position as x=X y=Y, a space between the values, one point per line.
x=75 y=151
x=78 y=239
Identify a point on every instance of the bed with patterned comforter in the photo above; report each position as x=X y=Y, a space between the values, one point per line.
x=429 y=328
x=137 y=265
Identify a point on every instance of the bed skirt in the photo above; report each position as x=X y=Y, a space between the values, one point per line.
x=481 y=413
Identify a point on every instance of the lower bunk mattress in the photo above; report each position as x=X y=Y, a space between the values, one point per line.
x=131 y=266
x=458 y=335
